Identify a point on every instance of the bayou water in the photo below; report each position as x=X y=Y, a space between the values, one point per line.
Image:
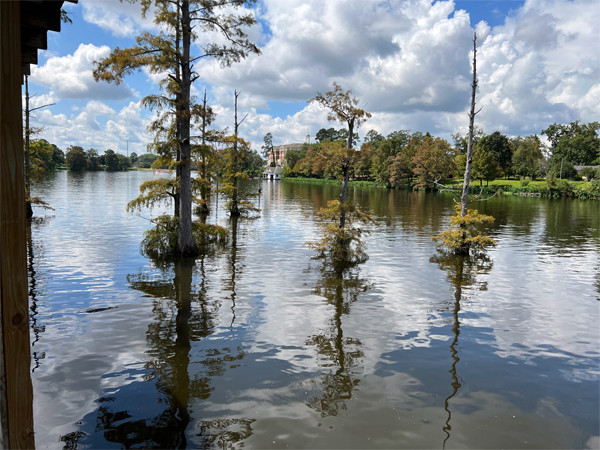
x=260 y=346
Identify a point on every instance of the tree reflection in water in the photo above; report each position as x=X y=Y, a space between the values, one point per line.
x=183 y=317
x=33 y=252
x=230 y=283
x=338 y=354
x=462 y=273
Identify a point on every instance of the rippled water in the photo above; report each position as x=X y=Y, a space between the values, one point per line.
x=261 y=347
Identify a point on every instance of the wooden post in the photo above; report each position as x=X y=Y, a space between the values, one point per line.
x=17 y=395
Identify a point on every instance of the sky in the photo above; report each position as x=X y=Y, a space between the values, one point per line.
x=408 y=61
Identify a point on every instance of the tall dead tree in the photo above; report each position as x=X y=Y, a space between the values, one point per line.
x=464 y=199
x=234 y=204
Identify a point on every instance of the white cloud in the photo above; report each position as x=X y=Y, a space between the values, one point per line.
x=120 y=18
x=71 y=77
x=97 y=125
x=410 y=62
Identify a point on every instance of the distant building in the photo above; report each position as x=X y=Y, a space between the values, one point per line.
x=280 y=152
x=578 y=168
x=272 y=173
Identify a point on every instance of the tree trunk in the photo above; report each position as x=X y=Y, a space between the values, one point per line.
x=344 y=194
x=185 y=240
x=346 y=170
x=203 y=174
x=464 y=200
x=177 y=196
x=234 y=209
x=28 y=208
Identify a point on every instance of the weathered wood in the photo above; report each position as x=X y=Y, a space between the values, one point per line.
x=13 y=252
x=29 y=55
x=34 y=37
x=44 y=15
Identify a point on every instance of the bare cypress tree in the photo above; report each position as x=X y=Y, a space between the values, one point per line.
x=234 y=209
x=464 y=237
x=464 y=199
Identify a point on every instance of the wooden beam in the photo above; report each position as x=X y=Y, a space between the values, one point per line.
x=34 y=37
x=44 y=15
x=13 y=253
x=29 y=55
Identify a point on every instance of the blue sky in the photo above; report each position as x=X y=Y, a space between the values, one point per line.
x=409 y=60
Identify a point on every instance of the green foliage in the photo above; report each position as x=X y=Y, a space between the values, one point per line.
x=434 y=160
x=160 y=242
x=146 y=160
x=154 y=193
x=460 y=163
x=76 y=159
x=527 y=156
x=524 y=183
x=293 y=156
x=464 y=236
x=41 y=158
x=237 y=204
x=267 y=148
x=461 y=141
x=331 y=135
x=589 y=173
x=501 y=149
x=576 y=142
x=111 y=160
x=484 y=165
x=341 y=245
x=564 y=169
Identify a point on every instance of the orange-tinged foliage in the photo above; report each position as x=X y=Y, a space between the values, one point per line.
x=464 y=236
x=341 y=245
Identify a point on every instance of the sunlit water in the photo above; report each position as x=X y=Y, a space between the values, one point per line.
x=259 y=346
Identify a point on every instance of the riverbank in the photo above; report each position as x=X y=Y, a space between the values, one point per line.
x=561 y=188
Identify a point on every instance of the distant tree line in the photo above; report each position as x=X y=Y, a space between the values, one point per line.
x=405 y=158
x=79 y=160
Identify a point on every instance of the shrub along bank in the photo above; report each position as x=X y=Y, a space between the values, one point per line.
x=550 y=188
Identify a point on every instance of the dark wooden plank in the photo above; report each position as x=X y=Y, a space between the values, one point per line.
x=45 y=15
x=13 y=252
x=34 y=37
x=29 y=55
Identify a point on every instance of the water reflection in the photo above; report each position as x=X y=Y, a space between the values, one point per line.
x=232 y=266
x=34 y=251
x=183 y=316
x=462 y=273
x=338 y=354
x=406 y=364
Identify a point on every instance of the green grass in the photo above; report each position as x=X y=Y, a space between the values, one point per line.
x=355 y=183
x=512 y=183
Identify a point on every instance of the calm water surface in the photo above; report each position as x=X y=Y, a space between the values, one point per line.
x=259 y=346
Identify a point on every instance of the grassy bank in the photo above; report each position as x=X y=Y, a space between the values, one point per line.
x=354 y=183
x=562 y=188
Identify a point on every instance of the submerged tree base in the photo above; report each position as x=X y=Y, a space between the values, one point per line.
x=342 y=246
x=242 y=208
x=161 y=241
x=201 y=209
x=464 y=237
